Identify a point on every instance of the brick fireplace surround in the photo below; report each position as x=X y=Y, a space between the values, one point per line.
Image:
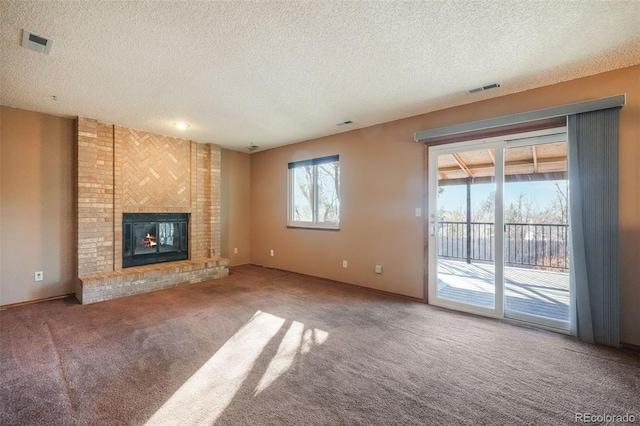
x=122 y=170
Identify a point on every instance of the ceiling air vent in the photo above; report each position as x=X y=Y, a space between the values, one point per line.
x=483 y=88
x=344 y=123
x=36 y=42
x=252 y=147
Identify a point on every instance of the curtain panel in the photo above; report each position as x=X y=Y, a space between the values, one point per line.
x=593 y=189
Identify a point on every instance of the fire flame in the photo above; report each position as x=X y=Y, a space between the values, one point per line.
x=149 y=241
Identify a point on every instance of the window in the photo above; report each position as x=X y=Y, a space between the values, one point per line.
x=314 y=195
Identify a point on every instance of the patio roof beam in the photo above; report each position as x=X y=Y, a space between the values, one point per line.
x=462 y=165
x=475 y=168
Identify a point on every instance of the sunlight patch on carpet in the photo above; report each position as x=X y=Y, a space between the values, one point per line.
x=296 y=341
x=206 y=394
x=209 y=391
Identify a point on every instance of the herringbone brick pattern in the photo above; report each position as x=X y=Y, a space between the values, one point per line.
x=155 y=170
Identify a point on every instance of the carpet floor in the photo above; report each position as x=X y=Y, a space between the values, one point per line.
x=268 y=347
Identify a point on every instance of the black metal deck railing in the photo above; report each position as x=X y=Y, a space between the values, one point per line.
x=530 y=245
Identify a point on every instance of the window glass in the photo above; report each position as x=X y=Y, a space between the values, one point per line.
x=328 y=202
x=314 y=193
x=303 y=194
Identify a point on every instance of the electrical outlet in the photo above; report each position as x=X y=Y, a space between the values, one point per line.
x=235 y=250
x=344 y=263
x=378 y=269
x=272 y=253
x=39 y=276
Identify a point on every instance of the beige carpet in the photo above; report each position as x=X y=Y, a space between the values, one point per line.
x=269 y=347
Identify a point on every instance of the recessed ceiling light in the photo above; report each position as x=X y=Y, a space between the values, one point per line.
x=181 y=126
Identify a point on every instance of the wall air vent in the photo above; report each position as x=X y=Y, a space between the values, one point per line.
x=36 y=42
x=483 y=88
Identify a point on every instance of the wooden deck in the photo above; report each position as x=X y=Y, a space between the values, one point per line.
x=530 y=291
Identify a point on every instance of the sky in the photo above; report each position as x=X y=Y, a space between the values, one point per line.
x=542 y=193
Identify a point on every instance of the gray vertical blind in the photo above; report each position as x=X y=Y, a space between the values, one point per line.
x=593 y=177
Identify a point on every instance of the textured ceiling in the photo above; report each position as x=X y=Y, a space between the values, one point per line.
x=274 y=73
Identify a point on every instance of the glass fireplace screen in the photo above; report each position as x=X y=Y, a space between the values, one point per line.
x=154 y=237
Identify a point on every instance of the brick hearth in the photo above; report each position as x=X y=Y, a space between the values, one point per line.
x=122 y=170
x=142 y=279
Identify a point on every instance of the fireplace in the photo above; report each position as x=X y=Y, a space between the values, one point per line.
x=149 y=238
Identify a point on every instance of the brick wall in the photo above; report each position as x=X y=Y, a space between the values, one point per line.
x=95 y=195
x=143 y=279
x=124 y=170
x=215 y=164
x=156 y=172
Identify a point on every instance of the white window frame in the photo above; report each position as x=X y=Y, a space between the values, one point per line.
x=314 y=224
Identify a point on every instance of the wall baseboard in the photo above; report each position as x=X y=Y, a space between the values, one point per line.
x=630 y=347
x=374 y=290
x=30 y=302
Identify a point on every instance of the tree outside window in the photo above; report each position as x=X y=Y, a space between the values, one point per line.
x=314 y=193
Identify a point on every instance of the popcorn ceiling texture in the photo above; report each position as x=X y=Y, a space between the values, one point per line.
x=273 y=73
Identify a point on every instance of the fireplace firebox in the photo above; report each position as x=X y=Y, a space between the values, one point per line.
x=149 y=238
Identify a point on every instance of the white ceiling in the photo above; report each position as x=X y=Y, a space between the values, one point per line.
x=274 y=73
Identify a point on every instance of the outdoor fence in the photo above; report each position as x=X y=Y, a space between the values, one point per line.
x=529 y=245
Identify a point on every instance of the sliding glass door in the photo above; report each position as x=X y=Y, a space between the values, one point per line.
x=498 y=228
x=465 y=245
x=536 y=231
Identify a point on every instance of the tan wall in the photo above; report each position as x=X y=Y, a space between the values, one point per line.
x=37 y=204
x=236 y=212
x=381 y=178
x=380 y=188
